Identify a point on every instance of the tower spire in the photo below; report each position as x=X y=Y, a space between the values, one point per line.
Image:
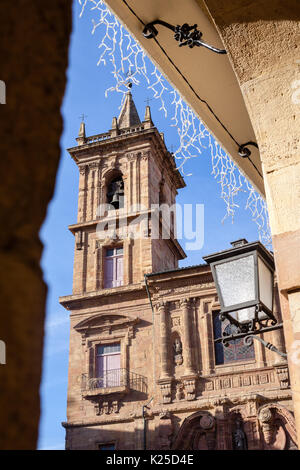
x=148 y=119
x=81 y=135
x=128 y=116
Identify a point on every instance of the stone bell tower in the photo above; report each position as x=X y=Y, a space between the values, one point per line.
x=129 y=168
x=146 y=367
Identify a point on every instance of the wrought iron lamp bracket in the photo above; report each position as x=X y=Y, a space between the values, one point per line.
x=248 y=340
x=244 y=151
x=249 y=331
x=185 y=34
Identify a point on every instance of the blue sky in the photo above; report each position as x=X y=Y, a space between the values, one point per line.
x=85 y=94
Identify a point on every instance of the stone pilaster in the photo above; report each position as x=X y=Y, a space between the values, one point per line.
x=207 y=345
x=190 y=376
x=164 y=372
x=188 y=357
x=82 y=193
x=165 y=380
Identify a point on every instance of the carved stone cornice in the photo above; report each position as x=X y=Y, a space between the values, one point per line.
x=185 y=303
x=162 y=306
x=83 y=169
x=93 y=165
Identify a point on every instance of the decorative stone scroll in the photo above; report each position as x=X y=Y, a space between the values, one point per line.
x=166 y=390
x=283 y=376
x=278 y=427
x=190 y=387
x=107 y=407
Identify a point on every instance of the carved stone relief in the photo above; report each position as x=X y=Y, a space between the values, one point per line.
x=177 y=350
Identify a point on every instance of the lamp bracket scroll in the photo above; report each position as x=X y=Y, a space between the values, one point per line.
x=244 y=151
x=247 y=331
x=248 y=340
x=185 y=34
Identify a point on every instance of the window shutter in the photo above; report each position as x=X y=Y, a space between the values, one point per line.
x=113 y=370
x=109 y=272
x=91 y=362
x=119 y=277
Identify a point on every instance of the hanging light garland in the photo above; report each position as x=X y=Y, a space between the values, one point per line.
x=129 y=63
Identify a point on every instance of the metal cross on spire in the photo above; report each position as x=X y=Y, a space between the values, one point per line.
x=147 y=100
x=82 y=117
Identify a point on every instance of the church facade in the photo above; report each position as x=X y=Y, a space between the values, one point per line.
x=145 y=371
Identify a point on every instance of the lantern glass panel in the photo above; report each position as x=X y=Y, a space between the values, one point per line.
x=245 y=315
x=236 y=279
x=265 y=284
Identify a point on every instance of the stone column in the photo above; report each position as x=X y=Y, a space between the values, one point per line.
x=262 y=42
x=207 y=344
x=127 y=245
x=164 y=372
x=187 y=355
x=83 y=171
x=190 y=376
x=97 y=266
x=96 y=192
x=165 y=380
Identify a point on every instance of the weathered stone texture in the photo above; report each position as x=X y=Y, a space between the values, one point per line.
x=262 y=39
x=34 y=39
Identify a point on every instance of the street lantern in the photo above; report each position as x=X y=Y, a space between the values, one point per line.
x=244 y=279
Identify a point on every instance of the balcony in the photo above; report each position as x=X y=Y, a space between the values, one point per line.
x=116 y=381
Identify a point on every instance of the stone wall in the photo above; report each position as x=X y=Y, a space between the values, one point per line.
x=262 y=41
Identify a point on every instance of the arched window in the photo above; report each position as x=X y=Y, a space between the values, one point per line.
x=115 y=192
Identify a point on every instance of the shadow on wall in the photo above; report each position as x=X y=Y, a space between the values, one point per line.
x=272 y=429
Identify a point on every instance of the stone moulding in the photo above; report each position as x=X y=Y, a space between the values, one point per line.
x=271 y=376
x=268 y=416
x=102 y=320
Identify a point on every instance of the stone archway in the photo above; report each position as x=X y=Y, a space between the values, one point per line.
x=197 y=432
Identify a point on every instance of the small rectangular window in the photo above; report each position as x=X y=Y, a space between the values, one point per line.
x=113 y=267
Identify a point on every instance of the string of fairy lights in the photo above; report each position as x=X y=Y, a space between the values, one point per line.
x=129 y=62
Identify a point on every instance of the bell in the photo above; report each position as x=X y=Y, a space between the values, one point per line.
x=115 y=198
x=115 y=201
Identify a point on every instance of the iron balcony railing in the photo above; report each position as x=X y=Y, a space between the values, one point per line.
x=115 y=378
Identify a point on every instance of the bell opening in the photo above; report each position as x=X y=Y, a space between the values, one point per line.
x=115 y=193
